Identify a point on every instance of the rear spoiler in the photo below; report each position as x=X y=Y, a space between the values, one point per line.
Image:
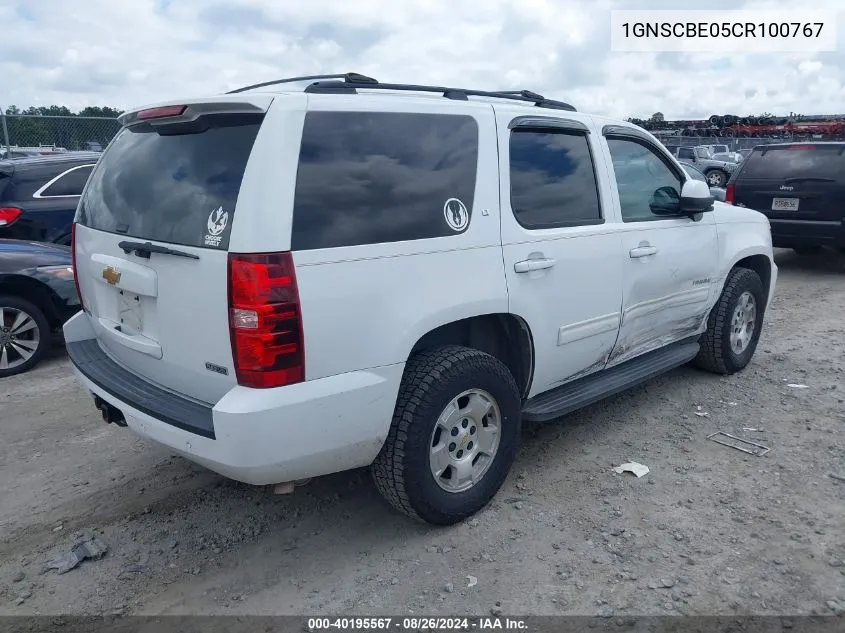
x=187 y=113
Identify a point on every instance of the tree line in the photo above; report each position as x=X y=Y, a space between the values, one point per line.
x=91 y=127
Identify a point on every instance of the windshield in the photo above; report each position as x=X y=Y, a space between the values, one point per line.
x=797 y=161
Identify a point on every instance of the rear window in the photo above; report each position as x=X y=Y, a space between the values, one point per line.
x=175 y=185
x=375 y=177
x=796 y=161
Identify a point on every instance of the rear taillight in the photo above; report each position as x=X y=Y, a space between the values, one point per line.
x=8 y=215
x=729 y=193
x=265 y=322
x=73 y=263
x=161 y=112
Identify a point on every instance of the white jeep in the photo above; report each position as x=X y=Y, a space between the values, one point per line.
x=320 y=274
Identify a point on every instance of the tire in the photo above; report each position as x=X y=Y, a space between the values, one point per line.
x=432 y=380
x=717 y=354
x=807 y=250
x=34 y=341
x=716 y=178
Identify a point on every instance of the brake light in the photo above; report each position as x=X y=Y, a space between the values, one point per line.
x=8 y=215
x=265 y=322
x=73 y=263
x=729 y=193
x=161 y=112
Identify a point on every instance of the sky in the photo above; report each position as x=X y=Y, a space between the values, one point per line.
x=127 y=53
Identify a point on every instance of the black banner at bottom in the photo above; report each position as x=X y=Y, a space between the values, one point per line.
x=401 y=624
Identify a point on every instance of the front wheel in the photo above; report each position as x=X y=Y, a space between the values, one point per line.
x=453 y=438
x=24 y=335
x=734 y=324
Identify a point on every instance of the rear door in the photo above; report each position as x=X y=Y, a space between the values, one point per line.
x=173 y=182
x=794 y=182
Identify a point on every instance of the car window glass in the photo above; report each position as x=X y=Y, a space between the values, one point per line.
x=702 y=152
x=694 y=173
x=685 y=152
x=648 y=188
x=553 y=183
x=797 y=161
x=71 y=183
x=378 y=177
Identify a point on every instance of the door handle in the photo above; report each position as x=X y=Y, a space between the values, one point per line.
x=530 y=265
x=643 y=251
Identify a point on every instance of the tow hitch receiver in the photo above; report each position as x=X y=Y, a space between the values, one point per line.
x=110 y=414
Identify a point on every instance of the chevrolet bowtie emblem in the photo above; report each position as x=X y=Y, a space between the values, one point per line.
x=111 y=275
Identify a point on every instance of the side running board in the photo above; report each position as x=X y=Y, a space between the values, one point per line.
x=590 y=389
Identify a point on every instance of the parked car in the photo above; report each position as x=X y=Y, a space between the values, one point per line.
x=320 y=281
x=9 y=154
x=37 y=295
x=800 y=187
x=693 y=171
x=38 y=195
x=717 y=171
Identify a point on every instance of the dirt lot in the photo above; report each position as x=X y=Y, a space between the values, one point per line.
x=710 y=530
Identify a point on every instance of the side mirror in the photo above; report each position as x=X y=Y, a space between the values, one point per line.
x=695 y=198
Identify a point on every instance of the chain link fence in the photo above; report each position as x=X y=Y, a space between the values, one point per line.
x=734 y=144
x=23 y=134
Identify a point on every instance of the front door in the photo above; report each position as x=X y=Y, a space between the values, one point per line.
x=561 y=253
x=670 y=263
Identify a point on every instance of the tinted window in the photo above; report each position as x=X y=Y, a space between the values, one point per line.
x=818 y=161
x=371 y=177
x=648 y=187
x=552 y=179
x=686 y=152
x=70 y=184
x=176 y=185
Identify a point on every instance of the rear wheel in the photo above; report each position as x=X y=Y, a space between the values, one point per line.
x=24 y=335
x=716 y=178
x=734 y=325
x=453 y=438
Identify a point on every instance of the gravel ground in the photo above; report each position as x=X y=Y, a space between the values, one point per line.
x=710 y=530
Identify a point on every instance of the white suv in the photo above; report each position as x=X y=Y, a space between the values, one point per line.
x=297 y=279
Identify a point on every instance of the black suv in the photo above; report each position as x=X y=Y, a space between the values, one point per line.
x=800 y=187
x=38 y=195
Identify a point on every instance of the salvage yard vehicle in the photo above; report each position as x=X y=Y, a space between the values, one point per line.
x=37 y=295
x=38 y=195
x=325 y=273
x=800 y=187
x=717 y=171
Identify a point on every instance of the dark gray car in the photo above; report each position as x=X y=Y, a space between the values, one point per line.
x=693 y=171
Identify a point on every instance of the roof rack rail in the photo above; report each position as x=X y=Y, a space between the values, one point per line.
x=347 y=77
x=351 y=86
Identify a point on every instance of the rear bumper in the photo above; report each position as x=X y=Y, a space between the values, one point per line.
x=257 y=436
x=790 y=233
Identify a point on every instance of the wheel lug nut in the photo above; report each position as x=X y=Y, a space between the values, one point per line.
x=469 y=446
x=454 y=431
x=460 y=454
x=452 y=447
x=472 y=430
x=465 y=423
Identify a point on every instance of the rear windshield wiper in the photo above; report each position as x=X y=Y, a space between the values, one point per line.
x=810 y=178
x=145 y=249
